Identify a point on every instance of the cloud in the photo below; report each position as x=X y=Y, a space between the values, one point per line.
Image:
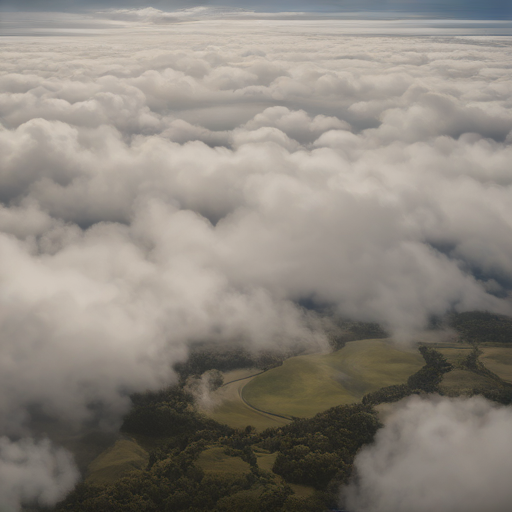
x=436 y=454
x=169 y=185
x=34 y=473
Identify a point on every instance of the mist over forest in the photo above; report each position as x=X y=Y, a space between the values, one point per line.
x=166 y=183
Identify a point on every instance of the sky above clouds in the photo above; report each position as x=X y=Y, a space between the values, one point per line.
x=164 y=182
x=463 y=9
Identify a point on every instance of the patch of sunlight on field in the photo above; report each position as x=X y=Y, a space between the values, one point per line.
x=306 y=385
x=499 y=361
x=215 y=460
x=117 y=461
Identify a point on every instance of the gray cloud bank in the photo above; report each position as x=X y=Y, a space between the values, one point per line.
x=445 y=455
x=191 y=183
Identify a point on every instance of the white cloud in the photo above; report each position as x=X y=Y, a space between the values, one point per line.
x=438 y=454
x=33 y=473
x=165 y=185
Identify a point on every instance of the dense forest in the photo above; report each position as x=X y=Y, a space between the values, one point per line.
x=482 y=327
x=317 y=452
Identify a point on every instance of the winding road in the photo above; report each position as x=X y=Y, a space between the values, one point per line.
x=248 y=404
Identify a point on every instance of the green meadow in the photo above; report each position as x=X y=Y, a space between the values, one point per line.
x=499 y=361
x=119 y=460
x=237 y=414
x=459 y=382
x=231 y=409
x=306 y=385
x=215 y=460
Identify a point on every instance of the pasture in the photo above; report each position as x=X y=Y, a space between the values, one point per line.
x=215 y=460
x=498 y=360
x=230 y=409
x=459 y=382
x=117 y=461
x=306 y=385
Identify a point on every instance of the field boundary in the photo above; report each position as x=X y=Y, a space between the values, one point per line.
x=243 y=378
x=241 y=394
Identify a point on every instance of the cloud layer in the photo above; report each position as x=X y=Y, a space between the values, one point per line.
x=196 y=182
x=445 y=455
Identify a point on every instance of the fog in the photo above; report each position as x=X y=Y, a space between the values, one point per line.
x=167 y=184
x=442 y=454
x=33 y=473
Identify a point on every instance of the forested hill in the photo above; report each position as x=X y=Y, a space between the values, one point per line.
x=482 y=327
x=198 y=465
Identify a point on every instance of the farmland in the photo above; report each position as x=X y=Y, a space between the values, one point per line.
x=308 y=384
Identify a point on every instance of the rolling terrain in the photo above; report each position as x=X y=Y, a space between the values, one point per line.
x=119 y=460
x=306 y=385
x=230 y=409
x=499 y=361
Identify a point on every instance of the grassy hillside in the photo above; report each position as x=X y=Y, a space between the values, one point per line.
x=215 y=460
x=232 y=411
x=306 y=385
x=498 y=360
x=266 y=461
x=237 y=414
x=264 y=458
x=122 y=458
x=454 y=354
x=459 y=382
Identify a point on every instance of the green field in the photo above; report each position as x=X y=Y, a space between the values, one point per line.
x=498 y=360
x=306 y=385
x=265 y=459
x=125 y=456
x=458 y=382
x=232 y=411
x=236 y=414
x=215 y=460
x=455 y=354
